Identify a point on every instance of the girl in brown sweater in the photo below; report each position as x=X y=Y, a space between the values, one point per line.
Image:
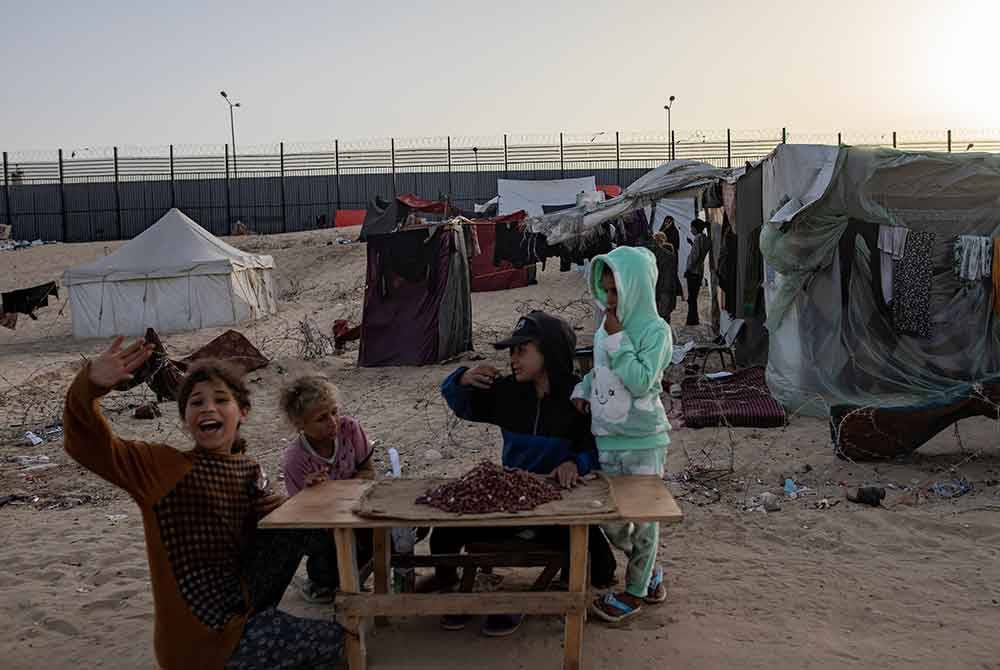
x=216 y=579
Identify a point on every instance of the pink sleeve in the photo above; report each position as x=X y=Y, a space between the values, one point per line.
x=359 y=441
x=295 y=466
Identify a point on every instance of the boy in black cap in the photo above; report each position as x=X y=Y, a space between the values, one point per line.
x=542 y=433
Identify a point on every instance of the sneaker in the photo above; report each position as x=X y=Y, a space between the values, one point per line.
x=315 y=594
x=501 y=625
x=454 y=621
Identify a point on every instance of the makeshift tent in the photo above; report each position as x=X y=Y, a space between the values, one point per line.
x=837 y=335
x=537 y=197
x=418 y=307
x=489 y=274
x=175 y=276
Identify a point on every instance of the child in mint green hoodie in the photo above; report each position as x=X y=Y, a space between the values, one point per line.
x=632 y=348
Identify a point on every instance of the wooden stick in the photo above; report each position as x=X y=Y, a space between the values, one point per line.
x=435 y=604
x=573 y=641
x=383 y=559
x=347 y=567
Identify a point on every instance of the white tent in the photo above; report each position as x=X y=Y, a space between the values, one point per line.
x=535 y=196
x=175 y=276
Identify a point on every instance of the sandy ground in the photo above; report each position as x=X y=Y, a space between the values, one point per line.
x=914 y=584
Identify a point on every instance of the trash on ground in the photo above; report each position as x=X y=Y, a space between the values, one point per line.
x=951 y=489
x=867 y=495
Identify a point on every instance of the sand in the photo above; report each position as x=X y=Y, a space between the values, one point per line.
x=907 y=585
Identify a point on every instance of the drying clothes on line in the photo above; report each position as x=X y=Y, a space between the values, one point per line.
x=973 y=257
x=892 y=240
x=27 y=300
x=912 y=276
x=996 y=275
x=637 y=229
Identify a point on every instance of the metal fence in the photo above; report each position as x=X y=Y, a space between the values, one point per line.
x=116 y=193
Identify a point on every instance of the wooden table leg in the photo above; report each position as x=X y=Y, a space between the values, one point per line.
x=383 y=560
x=347 y=566
x=573 y=638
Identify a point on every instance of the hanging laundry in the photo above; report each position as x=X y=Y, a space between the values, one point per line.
x=996 y=275
x=973 y=257
x=27 y=300
x=891 y=244
x=912 y=277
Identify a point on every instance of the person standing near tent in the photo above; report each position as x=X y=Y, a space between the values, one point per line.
x=542 y=433
x=695 y=271
x=666 y=275
x=669 y=228
x=632 y=348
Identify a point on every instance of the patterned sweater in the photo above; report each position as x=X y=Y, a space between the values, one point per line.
x=197 y=512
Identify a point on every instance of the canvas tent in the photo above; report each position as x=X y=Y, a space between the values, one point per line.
x=173 y=277
x=418 y=307
x=838 y=334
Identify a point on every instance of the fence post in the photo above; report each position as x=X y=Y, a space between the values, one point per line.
x=173 y=190
x=505 y=165
x=562 y=166
x=673 y=145
x=729 y=148
x=6 y=194
x=784 y=135
x=449 y=168
x=284 y=216
x=839 y=142
x=336 y=167
x=229 y=207
x=62 y=199
x=392 y=157
x=894 y=139
x=949 y=141
x=118 y=200
x=618 y=160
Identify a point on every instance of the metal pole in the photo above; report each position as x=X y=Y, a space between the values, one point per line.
x=449 y=168
x=729 y=148
x=284 y=216
x=505 y=166
x=392 y=156
x=670 y=136
x=784 y=135
x=173 y=189
x=894 y=139
x=232 y=129
x=618 y=159
x=336 y=167
x=839 y=143
x=562 y=166
x=229 y=208
x=673 y=146
x=62 y=197
x=6 y=193
x=118 y=199
x=949 y=141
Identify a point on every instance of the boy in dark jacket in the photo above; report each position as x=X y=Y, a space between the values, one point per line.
x=542 y=433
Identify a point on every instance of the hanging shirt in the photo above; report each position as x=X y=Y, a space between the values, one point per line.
x=973 y=257
x=27 y=300
x=912 y=277
x=891 y=244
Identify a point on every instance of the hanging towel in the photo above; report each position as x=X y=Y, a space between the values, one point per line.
x=912 y=276
x=996 y=275
x=892 y=240
x=973 y=257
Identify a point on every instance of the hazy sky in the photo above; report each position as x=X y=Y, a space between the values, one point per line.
x=77 y=74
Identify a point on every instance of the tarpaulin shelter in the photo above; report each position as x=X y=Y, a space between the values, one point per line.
x=539 y=196
x=173 y=277
x=418 y=307
x=489 y=273
x=870 y=301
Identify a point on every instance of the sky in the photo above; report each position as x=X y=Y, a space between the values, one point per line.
x=127 y=73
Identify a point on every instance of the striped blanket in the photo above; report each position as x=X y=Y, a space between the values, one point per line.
x=740 y=400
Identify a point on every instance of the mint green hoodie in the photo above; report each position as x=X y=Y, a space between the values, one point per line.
x=624 y=386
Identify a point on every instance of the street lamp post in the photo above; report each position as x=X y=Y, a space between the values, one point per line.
x=232 y=124
x=670 y=151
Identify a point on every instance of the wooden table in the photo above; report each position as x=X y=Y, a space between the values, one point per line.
x=332 y=505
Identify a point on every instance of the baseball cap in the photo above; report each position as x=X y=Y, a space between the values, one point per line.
x=526 y=330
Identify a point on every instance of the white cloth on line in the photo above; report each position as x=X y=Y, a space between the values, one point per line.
x=973 y=257
x=892 y=240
